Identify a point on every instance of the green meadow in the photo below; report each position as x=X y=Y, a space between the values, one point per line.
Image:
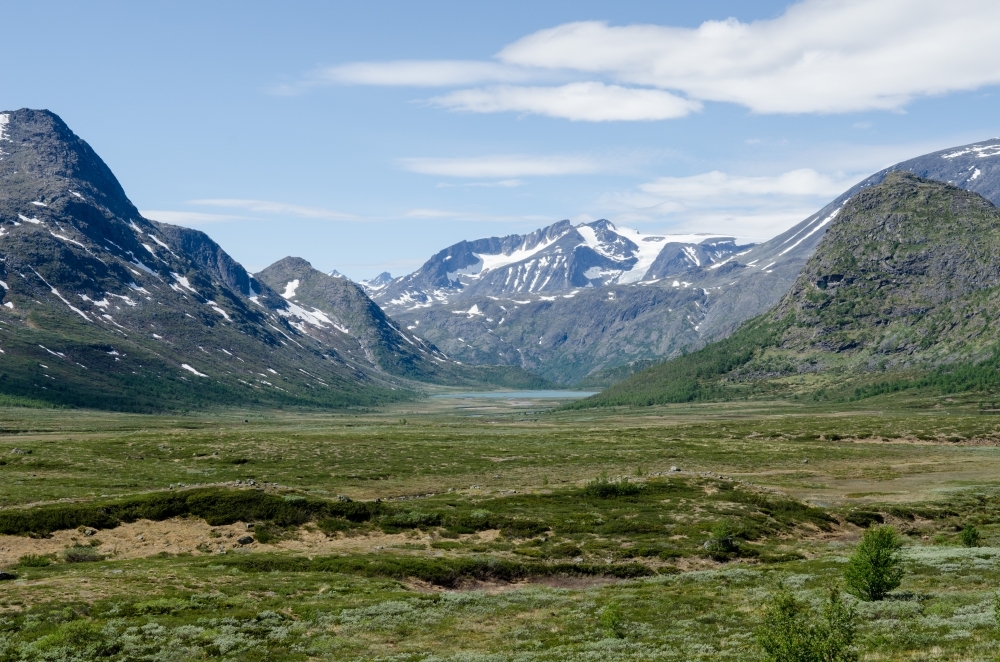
x=489 y=529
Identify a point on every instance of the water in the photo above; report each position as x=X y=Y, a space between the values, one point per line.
x=523 y=395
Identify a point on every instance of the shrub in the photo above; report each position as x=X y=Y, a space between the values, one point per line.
x=863 y=518
x=790 y=633
x=970 y=536
x=81 y=554
x=875 y=568
x=34 y=561
x=602 y=488
x=613 y=621
x=723 y=545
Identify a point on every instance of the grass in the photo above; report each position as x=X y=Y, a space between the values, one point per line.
x=500 y=531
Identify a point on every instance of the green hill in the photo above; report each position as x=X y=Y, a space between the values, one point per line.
x=901 y=293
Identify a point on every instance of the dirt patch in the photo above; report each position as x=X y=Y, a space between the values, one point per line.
x=187 y=535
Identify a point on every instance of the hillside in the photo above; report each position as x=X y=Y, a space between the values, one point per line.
x=901 y=291
x=336 y=312
x=104 y=308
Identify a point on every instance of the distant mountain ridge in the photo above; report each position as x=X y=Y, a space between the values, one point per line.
x=567 y=332
x=557 y=258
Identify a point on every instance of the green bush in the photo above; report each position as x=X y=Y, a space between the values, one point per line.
x=875 y=569
x=613 y=621
x=602 y=488
x=970 y=536
x=791 y=633
x=34 y=561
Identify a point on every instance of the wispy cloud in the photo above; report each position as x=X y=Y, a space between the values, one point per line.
x=589 y=102
x=189 y=217
x=410 y=73
x=272 y=208
x=750 y=207
x=819 y=56
x=445 y=214
x=503 y=166
x=503 y=183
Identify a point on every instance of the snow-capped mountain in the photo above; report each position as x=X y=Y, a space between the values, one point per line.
x=558 y=258
x=635 y=309
x=377 y=283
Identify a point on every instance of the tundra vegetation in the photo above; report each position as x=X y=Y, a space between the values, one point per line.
x=504 y=530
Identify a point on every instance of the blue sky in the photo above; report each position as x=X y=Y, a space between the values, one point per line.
x=366 y=136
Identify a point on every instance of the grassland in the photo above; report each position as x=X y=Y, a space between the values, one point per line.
x=457 y=529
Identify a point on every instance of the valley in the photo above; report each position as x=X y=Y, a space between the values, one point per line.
x=484 y=527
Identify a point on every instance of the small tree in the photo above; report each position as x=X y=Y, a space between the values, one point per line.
x=875 y=569
x=970 y=536
x=791 y=633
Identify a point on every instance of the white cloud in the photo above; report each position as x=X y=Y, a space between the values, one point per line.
x=422 y=73
x=716 y=187
x=588 y=101
x=819 y=56
x=503 y=166
x=189 y=217
x=754 y=208
x=274 y=208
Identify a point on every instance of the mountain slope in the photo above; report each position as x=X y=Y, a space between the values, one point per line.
x=338 y=313
x=104 y=308
x=904 y=282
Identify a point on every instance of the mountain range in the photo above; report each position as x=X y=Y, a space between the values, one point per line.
x=102 y=307
x=592 y=303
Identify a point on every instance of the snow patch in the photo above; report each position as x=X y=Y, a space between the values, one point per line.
x=192 y=370
x=184 y=282
x=29 y=220
x=38 y=204
x=290 y=288
x=808 y=234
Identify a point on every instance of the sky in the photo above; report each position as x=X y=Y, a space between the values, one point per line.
x=365 y=137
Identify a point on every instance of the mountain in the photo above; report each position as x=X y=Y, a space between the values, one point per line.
x=377 y=283
x=337 y=313
x=903 y=290
x=557 y=258
x=104 y=308
x=683 y=293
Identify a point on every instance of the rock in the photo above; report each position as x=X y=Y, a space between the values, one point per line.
x=344 y=498
x=20 y=451
x=89 y=531
x=245 y=540
x=5 y=576
x=250 y=527
x=805 y=461
x=674 y=469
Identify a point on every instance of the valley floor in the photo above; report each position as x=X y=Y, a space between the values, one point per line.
x=505 y=529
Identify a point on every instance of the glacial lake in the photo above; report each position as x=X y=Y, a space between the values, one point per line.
x=523 y=395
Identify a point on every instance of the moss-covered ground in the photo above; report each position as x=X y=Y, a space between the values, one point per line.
x=502 y=531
